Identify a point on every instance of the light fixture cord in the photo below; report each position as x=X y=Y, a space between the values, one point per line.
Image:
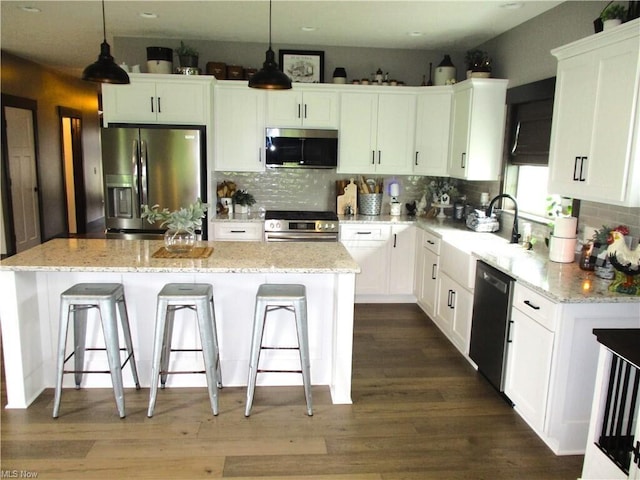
x=104 y=24
x=269 y=23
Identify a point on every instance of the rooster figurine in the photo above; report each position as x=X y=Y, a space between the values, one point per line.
x=625 y=261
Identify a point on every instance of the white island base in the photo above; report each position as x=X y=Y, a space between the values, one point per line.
x=29 y=312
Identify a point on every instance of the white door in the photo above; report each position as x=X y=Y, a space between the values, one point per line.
x=22 y=175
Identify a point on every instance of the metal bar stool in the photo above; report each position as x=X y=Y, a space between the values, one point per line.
x=107 y=298
x=199 y=298
x=271 y=297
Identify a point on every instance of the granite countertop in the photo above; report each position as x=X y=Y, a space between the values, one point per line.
x=100 y=255
x=560 y=282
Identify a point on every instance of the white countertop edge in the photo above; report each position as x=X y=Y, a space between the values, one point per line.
x=181 y=269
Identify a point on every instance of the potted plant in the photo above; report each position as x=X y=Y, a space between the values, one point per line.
x=478 y=63
x=243 y=200
x=613 y=14
x=181 y=224
x=187 y=56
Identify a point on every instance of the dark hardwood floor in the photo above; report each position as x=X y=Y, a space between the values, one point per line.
x=419 y=411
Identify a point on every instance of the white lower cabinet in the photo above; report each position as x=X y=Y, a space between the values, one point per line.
x=386 y=256
x=238 y=231
x=530 y=352
x=427 y=274
x=455 y=306
x=402 y=247
x=367 y=244
x=552 y=363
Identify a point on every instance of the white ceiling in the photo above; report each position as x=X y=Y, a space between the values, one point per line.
x=66 y=35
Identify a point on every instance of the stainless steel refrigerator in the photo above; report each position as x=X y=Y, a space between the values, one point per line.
x=150 y=165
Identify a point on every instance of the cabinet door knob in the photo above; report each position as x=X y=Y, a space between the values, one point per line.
x=531 y=305
x=463 y=160
x=152 y=110
x=416 y=159
x=379 y=156
x=373 y=157
x=433 y=271
x=159 y=106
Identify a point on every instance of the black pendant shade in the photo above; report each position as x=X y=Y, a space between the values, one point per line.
x=105 y=69
x=270 y=77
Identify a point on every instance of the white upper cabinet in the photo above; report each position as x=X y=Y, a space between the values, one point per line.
x=377 y=132
x=162 y=99
x=594 y=136
x=477 y=129
x=432 y=131
x=239 y=127
x=308 y=108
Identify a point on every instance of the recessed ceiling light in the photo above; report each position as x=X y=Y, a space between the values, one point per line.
x=308 y=29
x=415 y=34
x=30 y=9
x=512 y=5
x=148 y=15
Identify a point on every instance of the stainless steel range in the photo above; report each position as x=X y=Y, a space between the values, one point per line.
x=300 y=226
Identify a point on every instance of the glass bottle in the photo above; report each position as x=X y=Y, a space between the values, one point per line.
x=585 y=257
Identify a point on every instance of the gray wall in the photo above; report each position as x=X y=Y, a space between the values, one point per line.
x=523 y=53
x=403 y=65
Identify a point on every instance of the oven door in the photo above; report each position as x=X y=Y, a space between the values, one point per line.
x=301 y=236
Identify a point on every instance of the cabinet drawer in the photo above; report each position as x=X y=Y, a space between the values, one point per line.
x=365 y=232
x=536 y=306
x=238 y=231
x=431 y=242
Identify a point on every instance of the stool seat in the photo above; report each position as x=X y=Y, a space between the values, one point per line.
x=107 y=299
x=271 y=297
x=199 y=298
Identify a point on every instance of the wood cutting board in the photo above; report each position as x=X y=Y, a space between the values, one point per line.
x=350 y=197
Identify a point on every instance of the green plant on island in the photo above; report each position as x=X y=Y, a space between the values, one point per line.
x=185 y=218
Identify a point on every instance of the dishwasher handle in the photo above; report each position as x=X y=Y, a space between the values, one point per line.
x=498 y=284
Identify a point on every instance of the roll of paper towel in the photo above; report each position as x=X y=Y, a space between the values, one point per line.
x=565 y=227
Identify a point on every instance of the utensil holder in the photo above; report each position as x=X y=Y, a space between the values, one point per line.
x=369 y=203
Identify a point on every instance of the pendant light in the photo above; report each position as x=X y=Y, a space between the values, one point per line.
x=105 y=70
x=270 y=77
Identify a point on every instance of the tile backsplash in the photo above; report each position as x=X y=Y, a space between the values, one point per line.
x=310 y=189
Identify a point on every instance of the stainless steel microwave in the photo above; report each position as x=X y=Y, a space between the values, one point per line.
x=301 y=148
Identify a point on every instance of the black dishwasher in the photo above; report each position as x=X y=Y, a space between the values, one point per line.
x=490 y=321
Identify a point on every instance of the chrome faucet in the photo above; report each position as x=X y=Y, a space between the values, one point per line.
x=515 y=236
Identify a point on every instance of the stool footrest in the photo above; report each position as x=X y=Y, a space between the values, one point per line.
x=172 y=372
x=92 y=349
x=279 y=348
x=278 y=371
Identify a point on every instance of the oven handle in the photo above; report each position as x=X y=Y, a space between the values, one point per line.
x=300 y=237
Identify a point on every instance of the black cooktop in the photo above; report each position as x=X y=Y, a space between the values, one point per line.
x=304 y=215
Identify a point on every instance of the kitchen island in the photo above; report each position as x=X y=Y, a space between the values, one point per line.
x=32 y=281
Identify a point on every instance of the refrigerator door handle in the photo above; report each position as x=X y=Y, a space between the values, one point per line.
x=134 y=165
x=143 y=172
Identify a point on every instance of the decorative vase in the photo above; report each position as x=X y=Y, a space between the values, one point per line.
x=445 y=73
x=241 y=208
x=340 y=75
x=179 y=241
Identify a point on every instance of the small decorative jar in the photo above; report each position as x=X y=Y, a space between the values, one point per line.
x=179 y=241
x=340 y=75
x=585 y=257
